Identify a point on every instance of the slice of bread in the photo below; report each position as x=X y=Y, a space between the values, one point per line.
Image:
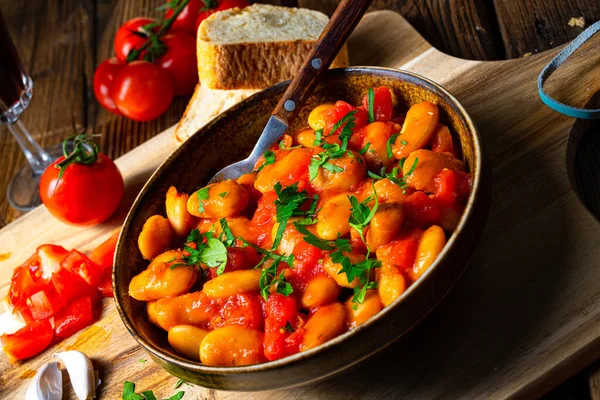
x=257 y=46
x=241 y=51
x=205 y=105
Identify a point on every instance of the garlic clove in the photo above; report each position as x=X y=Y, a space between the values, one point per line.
x=81 y=372
x=46 y=384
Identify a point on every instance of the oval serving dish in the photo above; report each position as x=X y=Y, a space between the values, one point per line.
x=230 y=138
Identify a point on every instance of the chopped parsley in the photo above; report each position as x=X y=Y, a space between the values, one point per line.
x=371 y=100
x=229 y=238
x=288 y=327
x=222 y=195
x=202 y=195
x=388 y=145
x=287 y=205
x=197 y=250
x=365 y=148
x=318 y=137
x=361 y=214
x=269 y=159
x=314 y=240
x=414 y=166
x=403 y=142
x=269 y=278
x=130 y=394
x=179 y=383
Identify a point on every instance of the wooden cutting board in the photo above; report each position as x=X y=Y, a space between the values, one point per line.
x=524 y=317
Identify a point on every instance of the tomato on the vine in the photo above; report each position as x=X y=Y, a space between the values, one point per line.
x=180 y=61
x=186 y=20
x=131 y=35
x=103 y=79
x=142 y=91
x=83 y=188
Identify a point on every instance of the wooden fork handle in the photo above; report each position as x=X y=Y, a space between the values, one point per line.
x=333 y=37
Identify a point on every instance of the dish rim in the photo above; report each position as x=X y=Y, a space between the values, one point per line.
x=197 y=366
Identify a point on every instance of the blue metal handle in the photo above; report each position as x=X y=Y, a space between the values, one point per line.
x=553 y=66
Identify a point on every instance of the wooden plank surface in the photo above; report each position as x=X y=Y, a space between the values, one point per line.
x=531 y=26
x=525 y=316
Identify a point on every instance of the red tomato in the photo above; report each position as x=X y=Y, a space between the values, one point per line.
x=79 y=264
x=180 y=61
x=339 y=110
x=421 y=210
x=402 y=251
x=186 y=20
x=27 y=342
x=130 y=36
x=85 y=194
x=103 y=79
x=227 y=4
x=382 y=104
x=22 y=282
x=452 y=187
x=306 y=265
x=281 y=312
x=74 y=317
x=104 y=254
x=142 y=91
x=50 y=257
x=105 y=287
x=242 y=309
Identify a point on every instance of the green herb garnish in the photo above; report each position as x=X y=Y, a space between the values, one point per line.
x=288 y=327
x=371 y=100
x=365 y=148
x=202 y=195
x=287 y=205
x=269 y=159
x=388 y=144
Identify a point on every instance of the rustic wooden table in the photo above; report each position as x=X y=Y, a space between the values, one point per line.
x=61 y=42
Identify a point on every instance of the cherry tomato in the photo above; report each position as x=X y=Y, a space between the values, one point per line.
x=382 y=104
x=180 y=61
x=227 y=4
x=84 y=194
x=142 y=91
x=103 y=79
x=131 y=35
x=27 y=342
x=186 y=20
x=223 y=5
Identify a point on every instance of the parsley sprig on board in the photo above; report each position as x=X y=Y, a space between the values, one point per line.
x=130 y=394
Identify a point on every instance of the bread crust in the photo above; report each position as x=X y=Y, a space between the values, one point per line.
x=254 y=65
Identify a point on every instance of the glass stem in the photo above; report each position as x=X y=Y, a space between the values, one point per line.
x=36 y=156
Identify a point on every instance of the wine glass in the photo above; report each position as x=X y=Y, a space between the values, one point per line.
x=15 y=93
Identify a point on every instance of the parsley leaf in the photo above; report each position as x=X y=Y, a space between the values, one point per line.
x=202 y=195
x=347 y=122
x=318 y=137
x=229 y=238
x=314 y=240
x=214 y=255
x=361 y=214
x=222 y=195
x=179 y=383
x=288 y=327
x=388 y=145
x=149 y=395
x=129 y=393
x=412 y=169
x=287 y=205
x=365 y=148
x=403 y=142
x=269 y=278
x=269 y=159
x=371 y=99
